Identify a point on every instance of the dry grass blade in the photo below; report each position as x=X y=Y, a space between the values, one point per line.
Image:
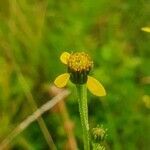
x=23 y=125
x=67 y=123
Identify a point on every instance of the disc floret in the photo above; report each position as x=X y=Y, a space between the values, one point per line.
x=79 y=62
x=79 y=66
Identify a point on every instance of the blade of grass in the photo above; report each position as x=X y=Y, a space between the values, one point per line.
x=33 y=117
x=29 y=96
x=17 y=15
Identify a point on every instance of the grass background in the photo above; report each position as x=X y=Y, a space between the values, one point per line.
x=34 y=33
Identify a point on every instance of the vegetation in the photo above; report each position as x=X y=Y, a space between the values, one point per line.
x=33 y=35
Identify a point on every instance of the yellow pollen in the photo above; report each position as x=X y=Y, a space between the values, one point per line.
x=80 y=61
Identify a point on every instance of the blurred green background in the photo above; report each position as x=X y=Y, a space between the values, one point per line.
x=34 y=33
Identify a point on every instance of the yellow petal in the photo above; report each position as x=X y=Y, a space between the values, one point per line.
x=95 y=87
x=62 y=80
x=146 y=29
x=64 y=57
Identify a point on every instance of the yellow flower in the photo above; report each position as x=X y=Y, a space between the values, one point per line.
x=79 y=65
x=146 y=29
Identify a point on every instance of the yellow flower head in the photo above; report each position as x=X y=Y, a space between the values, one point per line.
x=146 y=29
x=79 y=65
x=80 y=62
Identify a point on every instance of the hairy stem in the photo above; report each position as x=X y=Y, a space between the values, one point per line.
x=83 y=109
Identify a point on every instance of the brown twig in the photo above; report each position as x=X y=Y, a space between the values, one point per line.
x=23 y=125
x=68 y=124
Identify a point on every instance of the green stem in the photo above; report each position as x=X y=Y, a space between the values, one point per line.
x=83 y=109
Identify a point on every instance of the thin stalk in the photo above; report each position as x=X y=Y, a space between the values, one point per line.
x=34 y=107
x=33 y=117
x=83 y=109
x=29 y=97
